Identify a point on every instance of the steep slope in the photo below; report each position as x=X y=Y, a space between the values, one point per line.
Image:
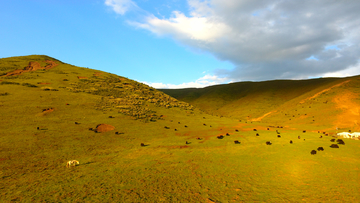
x=279 y=101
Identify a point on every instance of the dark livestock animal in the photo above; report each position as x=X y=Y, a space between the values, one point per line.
x=187 y=142
x=313 y=152
x=227 y=134
x=220 y=137
x=299 y=137
x=255 y=130
x=237 y=142
x=340 y=141
x=236 y=130
x=332 y=140
x=268 y=143
x=142 y=144
x=304 y=131
x=279 y=136
x=320 y=149
x=167 y=127
x=257 y=134
x=334 y=146
x=291 y=141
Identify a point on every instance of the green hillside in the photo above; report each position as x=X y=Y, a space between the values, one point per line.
x=51 y=111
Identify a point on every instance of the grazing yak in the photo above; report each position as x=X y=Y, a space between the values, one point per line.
x=227 y=134
x=340 y=141
x=334 y=146
x=220 y=137
x=279 y=136
x=257 y=134
x=236 y=130
x=332 y=140
x=143 y=145
x=313 y=152
x=268 y=143
x=237 y=142
x=291 y=141
x=167 y=127
x=299 y=137
x=187 y=142
x=320 y=149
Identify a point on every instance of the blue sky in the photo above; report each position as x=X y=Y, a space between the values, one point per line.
x=194 y=43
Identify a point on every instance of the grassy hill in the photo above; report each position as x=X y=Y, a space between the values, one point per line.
x=49 y=114
x=326 y=102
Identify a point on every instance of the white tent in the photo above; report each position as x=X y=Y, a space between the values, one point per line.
x=355 y=134
x=345 y=134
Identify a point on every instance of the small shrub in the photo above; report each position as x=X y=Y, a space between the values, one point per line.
x=9 y=83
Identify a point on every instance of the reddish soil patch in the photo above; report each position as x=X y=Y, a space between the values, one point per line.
x=104 y=128
x=33 y=66
x=81 y=77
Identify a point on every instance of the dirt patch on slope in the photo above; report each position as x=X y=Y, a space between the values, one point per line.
x=263 y=116
x=33 y=66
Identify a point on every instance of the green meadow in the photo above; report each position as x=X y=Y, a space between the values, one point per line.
x=48 y=117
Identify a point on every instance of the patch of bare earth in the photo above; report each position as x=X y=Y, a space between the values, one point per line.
x=263 y=116
x=33 y=66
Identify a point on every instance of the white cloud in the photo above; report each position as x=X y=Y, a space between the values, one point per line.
x=182 y=27
x=120 y=6
x=351 y=71
x=204 y=81
x=269 y=39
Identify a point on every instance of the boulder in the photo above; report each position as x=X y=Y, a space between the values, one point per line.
x=104 y=128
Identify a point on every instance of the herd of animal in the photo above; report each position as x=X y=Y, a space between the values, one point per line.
x=313 y=152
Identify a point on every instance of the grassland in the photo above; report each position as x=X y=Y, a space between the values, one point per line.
x=36 y=144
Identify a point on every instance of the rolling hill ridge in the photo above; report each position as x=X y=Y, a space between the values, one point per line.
x=332 y=102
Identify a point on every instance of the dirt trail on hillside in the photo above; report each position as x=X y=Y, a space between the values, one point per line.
x=325 y=90
x=33 y=66
x=263 y=116
x=351 y=110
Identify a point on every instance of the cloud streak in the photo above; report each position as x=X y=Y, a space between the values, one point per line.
x=269 y=39
x=120 y=6
x=204 y=81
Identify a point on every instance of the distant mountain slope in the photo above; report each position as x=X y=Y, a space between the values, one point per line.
x=279 y=100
